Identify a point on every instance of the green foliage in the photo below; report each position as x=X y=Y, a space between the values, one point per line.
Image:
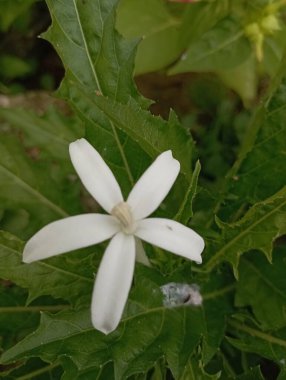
x=60 y=277
x=259 y=227
x=235 y=194
x=147 y=332
x=10 y=11
x=261 y=286
x=43 y=190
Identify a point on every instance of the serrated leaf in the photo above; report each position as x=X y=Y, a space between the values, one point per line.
x=67 y=276
x=263 y=287
x=143 y=336
x=259 y=169
x=99 y=85
x=151 y=133
x=262 y=171
x=259 y=227
x=92 y=51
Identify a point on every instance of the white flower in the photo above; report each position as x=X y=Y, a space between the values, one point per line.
x=125 y=223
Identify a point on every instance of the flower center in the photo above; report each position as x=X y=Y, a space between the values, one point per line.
x=123 y=213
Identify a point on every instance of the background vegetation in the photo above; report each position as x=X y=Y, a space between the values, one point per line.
x=220 y=65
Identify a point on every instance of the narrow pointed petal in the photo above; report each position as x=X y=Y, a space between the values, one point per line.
x=172 y=236
x=95 y=175
x=113 y=282
x=154 y=185
x=141 y=256
x=69 y=234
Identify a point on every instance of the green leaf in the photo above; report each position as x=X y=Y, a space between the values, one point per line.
x=194 y=371
x=263 y=287
x=274 y=47
x=147 y=331
x=258 y=228
x=99 y=85
x=282 y=374
x=15 y=320
x=221 y=48
x=50 y=133
x=262 y=171
x=9 y=12
x=67 y=276
x=186 y=211
x=158 y=51
x=138 y=19
x=14 y=67
x=36 y=186
x=150 y=132
x=242 y=79
x=92 y=51
x=252 y=374
x=250 y=339
x=159 y=28
x=259 y=169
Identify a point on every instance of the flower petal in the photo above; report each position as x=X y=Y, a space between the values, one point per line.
x=95 y=175
x=154 y=185
x=172 y=236
x=69 y=234
x=141 y=256
x=113 y=282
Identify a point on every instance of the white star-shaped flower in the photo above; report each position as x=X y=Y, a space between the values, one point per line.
x=125 y=223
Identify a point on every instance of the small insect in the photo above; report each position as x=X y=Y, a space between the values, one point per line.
x=176 y=294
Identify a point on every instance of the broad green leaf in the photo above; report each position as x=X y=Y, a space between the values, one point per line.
x=194 y=371
x=38 y=187
x=33 y=369
x=258 y=228
x=242 y=79
x=142 y=19
x=158 y=51
x=150 y=132
x=186 y=211
x=68 y=276
x=250 y=339
x=50 y=133
x=221 y=48
x=263 y=287
x=200 y=17
x=92 y=51
x=159 y=29
x=15 y=320
x=147 y=331
x=165 y=33
x=259 y=169
x=99 y=85
x=274 y=47
x=143 y=339
x=262 y=172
